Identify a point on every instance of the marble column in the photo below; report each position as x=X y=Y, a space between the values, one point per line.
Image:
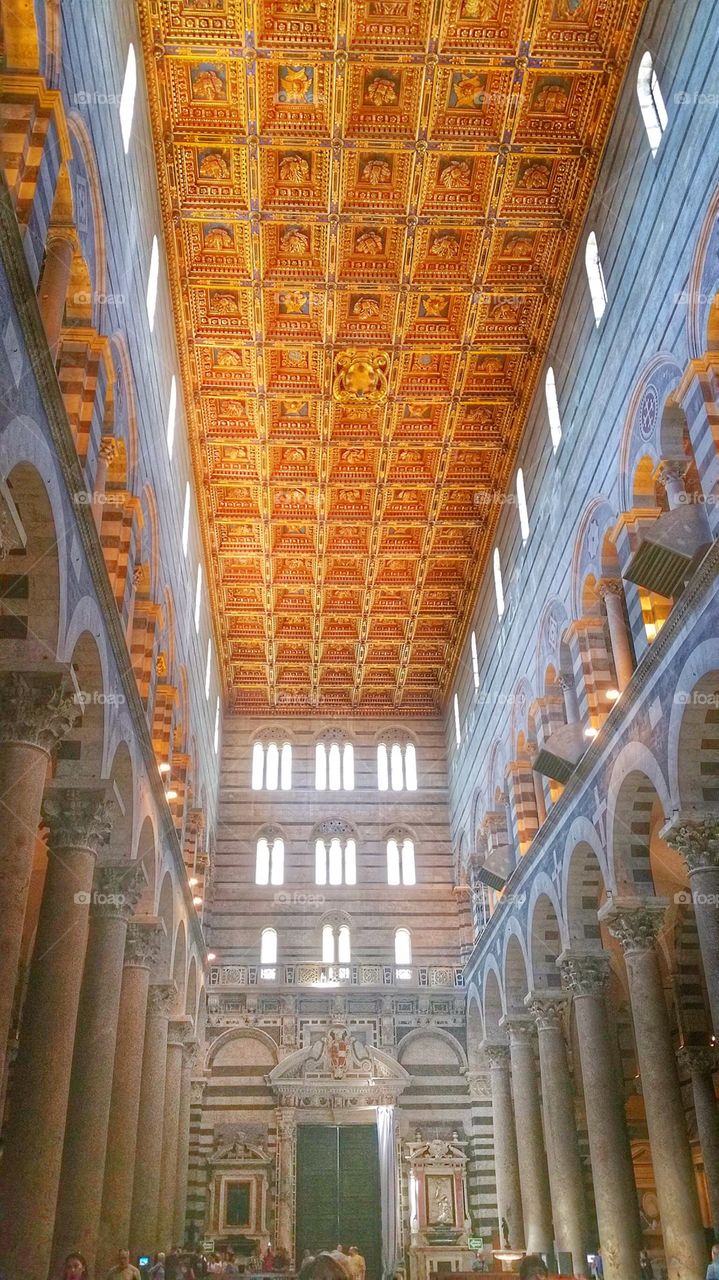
x=54 y=283
x=532 y=1156
x=286 y=1145
x=586 y=976
x=636 y=923
x=571 y=702
x=700 y=1065
x=611 y=591
x=565 y=1170
x=179 y=1034
x=32 y=1155
x=696 y=838
x=105 y=457
x=189 y=1053
x=142 y=953
x=148 y=1166
x=506 y=1161
x=34 y=716
x=117 y=890
x=671 y=474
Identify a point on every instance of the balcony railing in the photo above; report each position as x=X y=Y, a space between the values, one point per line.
x=335 y=975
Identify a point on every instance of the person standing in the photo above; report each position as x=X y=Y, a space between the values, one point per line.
x=74 y=1267
x=123 y=1269
x=157 y=1272
x=713 y=1268
x=532 y=1267
x=357 y=1264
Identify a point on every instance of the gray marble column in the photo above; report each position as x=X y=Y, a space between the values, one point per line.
x=506 y=1162
x=179 y=1034
x=611 y=591
x=54 y=282
x=189 y=1053
x=696 y=837
x=636 y=923
x=286 y=1142
x=586 y=976
x=700 y=1065
x=532 y=1156
x=150 y=1127
x=32 y=1155
x=116 y=892
x=34 y=716
x=142 y=952
x=565 y=1170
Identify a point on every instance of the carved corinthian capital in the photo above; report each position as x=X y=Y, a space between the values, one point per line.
x=77 y=819
x=117 y=889
x=521 y=1027
x=697 y=1060
x=548 y=1008
x=143 y=945
x=161 y=998
x=497 y=1054
x=636 y=922
x=38 y=713
x=696 y=838
x=584 y=973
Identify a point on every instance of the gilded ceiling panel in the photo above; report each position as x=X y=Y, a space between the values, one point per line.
x=370 y=210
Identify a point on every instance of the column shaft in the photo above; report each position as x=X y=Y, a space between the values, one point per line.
x=700 y=1064
x=146 y=1188
x=32 y=1156
x=141 y=952
x=704 y=884
x=506 y=1161
x=615 y=1193
x=83 y=1165
x=618 y=634
x=286 y=1135
x=565 y=1169
x=533 y=1171
x=183 y=1146
x=54 y=285
x=637 y=928
x=171 y=1135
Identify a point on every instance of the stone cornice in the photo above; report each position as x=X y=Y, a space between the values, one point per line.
x=599 y=748
x=15 y=264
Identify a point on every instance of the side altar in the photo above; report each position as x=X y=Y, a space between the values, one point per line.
x=438 y=1207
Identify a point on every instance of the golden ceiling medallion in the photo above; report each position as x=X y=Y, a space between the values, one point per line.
x=361 y=376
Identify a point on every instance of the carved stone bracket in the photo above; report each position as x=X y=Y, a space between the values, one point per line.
x=39 y=714
x=77 y=819
x=636 y=922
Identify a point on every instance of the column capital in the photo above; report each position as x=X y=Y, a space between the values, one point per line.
x=78 y=818
x=521 y=1027
x=143 y=944
x=548 y=1008
x=117 y=889
x=697 y=1059
x=584 y=973
x=695 y=835
x=286 y=1122
x=565 y=680
x=180 y=1032
x=636 y=922
x=197 y=1091
x=479 y=1085
x=496 y=1052
x=161 y=998
x=610 y=587
x=671 y=469
x=38 y=713
x=108 y=449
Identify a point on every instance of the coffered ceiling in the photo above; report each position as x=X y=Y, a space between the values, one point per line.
x=370 y=210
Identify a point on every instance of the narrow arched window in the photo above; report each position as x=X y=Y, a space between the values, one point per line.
x=198 y=597
x=457 y=723
x=258 y=766
x=400 y=861
x=335 y=860
x=595 y=276
x=475 y=660
x=268 y=954
x=334 y=766
x=217 y=726
x=171 y=416
x=522 y=506
x=651 y=102
x=270 y=861
x=208 y=667
x=498 y=588
x=336 y=944
x=555 y=422
x=152 y=282
x=186 y=519
x=396 y=766
x=127 y=98
x=271 y=766
x=403 y=947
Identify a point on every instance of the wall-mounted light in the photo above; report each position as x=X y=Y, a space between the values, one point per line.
x=171 y=794
x=591 y=732
x=613 y=695
x=211 y=956
x=193 y=881
x=164 y=767
x=197 y=901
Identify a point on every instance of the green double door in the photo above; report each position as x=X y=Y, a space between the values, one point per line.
x=338 y=1195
